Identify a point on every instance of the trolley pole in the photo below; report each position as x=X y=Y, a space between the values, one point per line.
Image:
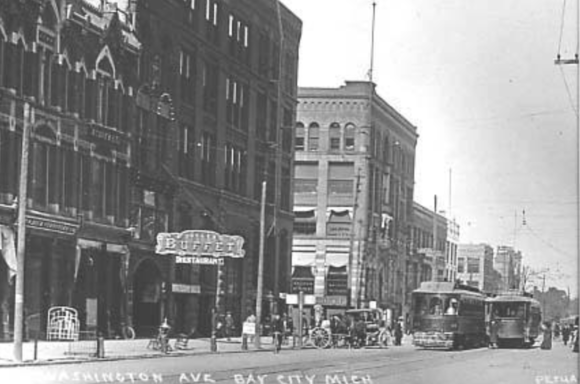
x=22 y=198
x=257 y=341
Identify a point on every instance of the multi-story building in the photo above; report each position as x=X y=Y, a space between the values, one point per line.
x=146 y=117
x=353 y=197
x=508 y=262
x=475 y=266
x=230 y=69
x=67 y=72
x=453 y=234
x=428 y=246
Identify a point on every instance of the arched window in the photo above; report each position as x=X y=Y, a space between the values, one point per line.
x=349 y=130
x=334 y=137
x=313 y=136
x=105 y=103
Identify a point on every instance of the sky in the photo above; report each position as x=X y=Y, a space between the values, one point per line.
x=496 y=117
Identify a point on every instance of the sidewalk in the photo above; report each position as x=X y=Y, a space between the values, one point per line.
x=60 y=352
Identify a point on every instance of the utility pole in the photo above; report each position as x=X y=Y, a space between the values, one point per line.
x=22 y=199
x=351 y=243
x=260 y=267
x=278 y=154
x=575 y=61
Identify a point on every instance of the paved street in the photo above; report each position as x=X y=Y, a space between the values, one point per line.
x=339 y=366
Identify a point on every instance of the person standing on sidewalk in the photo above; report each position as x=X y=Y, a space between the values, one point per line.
x=229 y=325
x=399 y=332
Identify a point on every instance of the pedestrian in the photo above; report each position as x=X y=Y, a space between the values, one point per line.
x=399 y=332
x=565 y=334
x=547 y=336
x=229 y=325
x=251 y=319
x=277 y=327
x=493 y=329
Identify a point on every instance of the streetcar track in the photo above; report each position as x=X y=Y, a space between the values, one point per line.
x=324 y=367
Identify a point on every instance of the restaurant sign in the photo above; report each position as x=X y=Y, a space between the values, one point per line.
x=199 y=243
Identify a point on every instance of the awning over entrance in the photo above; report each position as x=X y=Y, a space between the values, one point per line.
x=303 y=258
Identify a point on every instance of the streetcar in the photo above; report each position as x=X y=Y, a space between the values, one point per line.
x=514 y=317
x=448 y=315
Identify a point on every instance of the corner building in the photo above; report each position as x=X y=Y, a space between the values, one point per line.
x=353 y=197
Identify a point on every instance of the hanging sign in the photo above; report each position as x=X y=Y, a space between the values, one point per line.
x=200 y=243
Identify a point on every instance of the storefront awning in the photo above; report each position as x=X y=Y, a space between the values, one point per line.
x=337 y=259
x=303 y=258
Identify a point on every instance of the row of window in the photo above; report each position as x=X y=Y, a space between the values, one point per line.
x=468 y=265
x=309 y=138
x=66 y=181
x=51 y=80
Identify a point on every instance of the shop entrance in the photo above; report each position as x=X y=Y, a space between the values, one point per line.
x=147 y=298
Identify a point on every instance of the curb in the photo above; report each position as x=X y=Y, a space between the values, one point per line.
x=66 y=361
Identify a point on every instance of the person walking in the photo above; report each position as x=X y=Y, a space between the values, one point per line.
x=547 y=333
x=229 y=325
x=493 y=329
x=399 y=332
x=565 y=334
x=277 y=332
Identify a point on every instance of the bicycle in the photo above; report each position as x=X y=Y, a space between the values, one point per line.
x=125 y=332
x=161 y=341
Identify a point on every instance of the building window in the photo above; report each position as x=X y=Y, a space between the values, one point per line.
x=460 y=265
x=299 y=138
x=340 y=187
x=340 y=179
x=334 y=137
x=238 y=36
x=313 y=136
x=264 y=67
x=236 y=103
x=234 y=169
x=472 y=265
x=305 y=222
x=262 y=116
x=349 y=137
x=149 y=215
x=339 y=224
x=105 y=102
x=186 y=76
x=306 y=178
x=210 y=87
x=337 y=281
x=186 y=152
x=306 y=186
x=212 y=19
x=208 y=158
x=45 y=168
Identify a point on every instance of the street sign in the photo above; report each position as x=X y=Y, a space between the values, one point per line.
x=185 y=288
x=292 y=299
x=304 y=284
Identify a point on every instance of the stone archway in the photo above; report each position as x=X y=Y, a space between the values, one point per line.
x=147 y=298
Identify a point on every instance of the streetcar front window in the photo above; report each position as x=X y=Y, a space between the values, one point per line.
x=420 y=305
x=435 y=306
x=509 y=310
